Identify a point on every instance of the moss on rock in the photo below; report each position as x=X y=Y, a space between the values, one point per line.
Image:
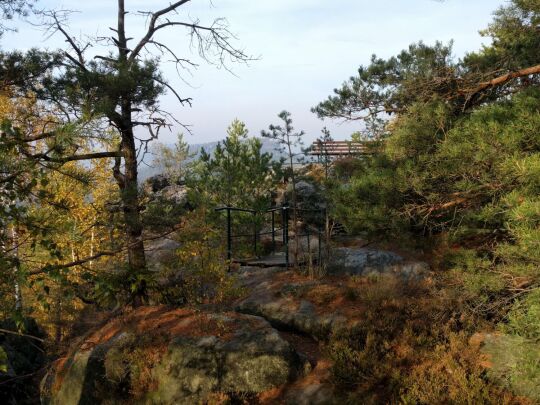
x=161 y=356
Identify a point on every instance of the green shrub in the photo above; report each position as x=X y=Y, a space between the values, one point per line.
x=524 y=317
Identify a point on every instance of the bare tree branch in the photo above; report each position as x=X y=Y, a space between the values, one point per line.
x=180 y=99
x=74 y=263
x=79 y=61
x=152 y=27
x=98 y=255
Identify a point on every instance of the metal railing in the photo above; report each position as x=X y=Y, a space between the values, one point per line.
x=283 y=217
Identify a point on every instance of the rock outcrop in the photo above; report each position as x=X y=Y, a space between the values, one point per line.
x=160 y=187
x=163 y=356
x=320 y=307
x=364 y=261
x=286 y=304
x=161 y=251
x=262 y=353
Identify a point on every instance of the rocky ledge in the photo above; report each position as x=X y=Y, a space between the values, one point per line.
x=331 y=304
x=263 y=349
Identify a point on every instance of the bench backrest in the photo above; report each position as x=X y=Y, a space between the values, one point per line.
x=340 y=148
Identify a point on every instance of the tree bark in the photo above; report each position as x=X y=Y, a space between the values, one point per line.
x=498 y=81
x=129 y=195
x=295 y=213
x=128 y=181
x=16 y=268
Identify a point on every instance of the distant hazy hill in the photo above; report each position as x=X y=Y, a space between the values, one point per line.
x=147 y=169
x=268 y=146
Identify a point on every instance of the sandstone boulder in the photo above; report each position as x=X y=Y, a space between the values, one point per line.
x=162 y=356
x=364 y=261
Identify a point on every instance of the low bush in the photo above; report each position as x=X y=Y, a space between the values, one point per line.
x=412 y=347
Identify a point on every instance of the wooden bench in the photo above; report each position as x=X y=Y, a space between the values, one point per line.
x=341 y=148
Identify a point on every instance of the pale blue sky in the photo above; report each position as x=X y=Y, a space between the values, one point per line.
x=306 y=49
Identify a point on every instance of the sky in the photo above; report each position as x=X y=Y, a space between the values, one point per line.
x=302 y=50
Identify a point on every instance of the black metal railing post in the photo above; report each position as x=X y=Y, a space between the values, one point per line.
x=322 y=231
x=273 y=232
x=285 y=214
x=310 y=263
x=229 y=236
x=255 y=234
x=307 y=237
x=319 y=252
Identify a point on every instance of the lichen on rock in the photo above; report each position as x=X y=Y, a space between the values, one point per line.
x=163 y=356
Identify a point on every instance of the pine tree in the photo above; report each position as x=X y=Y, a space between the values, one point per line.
x=288 y=141
x=237 y=173
x=118 y=92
